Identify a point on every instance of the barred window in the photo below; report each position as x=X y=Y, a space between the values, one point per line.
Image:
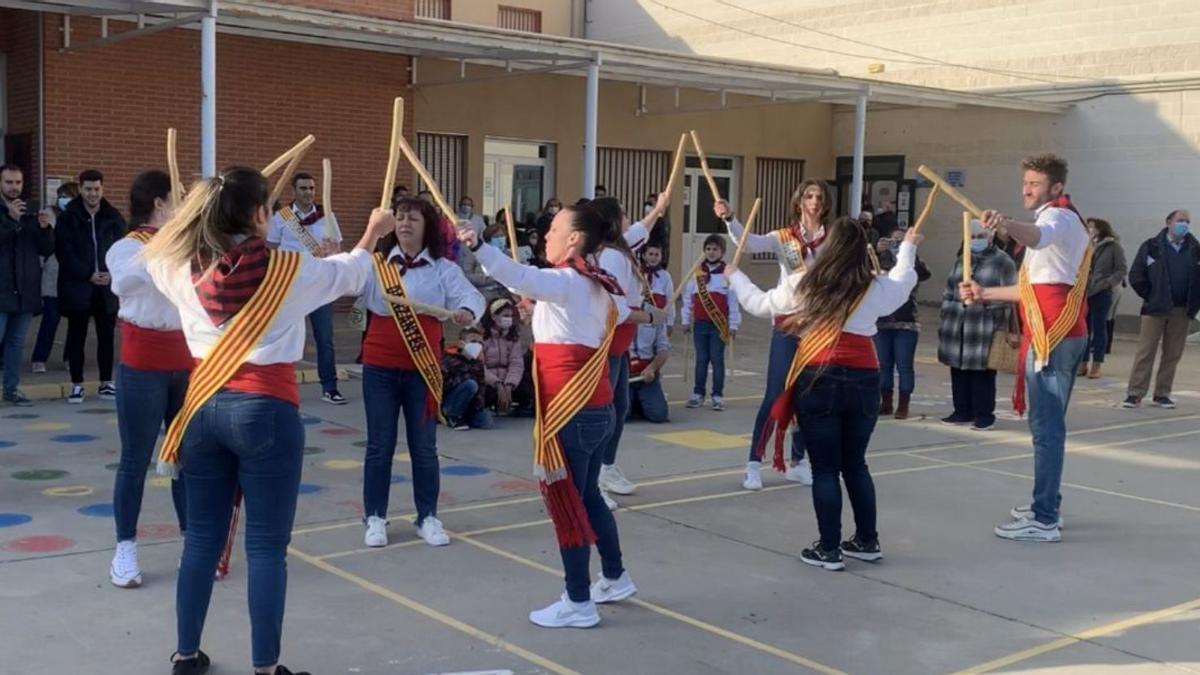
x=433 y=9
x=518 y=18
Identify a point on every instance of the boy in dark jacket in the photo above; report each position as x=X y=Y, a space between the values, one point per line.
x=24 y=238
x=462 y=383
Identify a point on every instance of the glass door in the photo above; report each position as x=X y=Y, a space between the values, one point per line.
x=698 y=218
x=519 y=174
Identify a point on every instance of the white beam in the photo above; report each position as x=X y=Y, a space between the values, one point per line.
x=591 y=113
x=208 y=92
x=860 y=139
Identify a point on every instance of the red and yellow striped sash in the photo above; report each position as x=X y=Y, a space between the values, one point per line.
x=423 y=354
x=1043 y=341
x=293 y=225
x=232 y=349
x=141 y=236
x=715 y=314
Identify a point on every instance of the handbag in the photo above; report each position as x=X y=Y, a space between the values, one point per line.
x=1003 y=356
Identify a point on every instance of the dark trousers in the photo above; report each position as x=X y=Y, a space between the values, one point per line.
x=583 y=440
x=710 y=350
x=46 y=330
x=618 y=377
x=77 y=330
x=779 y=358
x=388 y=392
x=321 y=320
x=1097 y=320
x=974 y=395
x=837 y=410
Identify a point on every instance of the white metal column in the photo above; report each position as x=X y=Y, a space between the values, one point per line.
x=208 y=91
x=589 y=127
x=860 y=139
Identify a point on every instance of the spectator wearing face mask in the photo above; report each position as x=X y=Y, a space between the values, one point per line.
x=503 y=356
x=466 y=211
x=552 y=207
x=48 y=328
x=462 y=383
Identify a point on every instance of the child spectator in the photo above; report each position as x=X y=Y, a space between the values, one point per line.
x=503 y=355
x=462 y=386
x=710 y=302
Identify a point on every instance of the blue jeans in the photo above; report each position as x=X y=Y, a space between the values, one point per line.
x=618 y=377
x=896 y=347
x=321 y=320
x=582 y=439
x=13 y=326
x=648 y=399
x=46 y=330
x=779 y=359
x=459 y=403
x=386 y=393
x=837 y=414
x=1097 y=319
x=146 y=400
x=710 y=349
x=257 y=442
x=1048 y=394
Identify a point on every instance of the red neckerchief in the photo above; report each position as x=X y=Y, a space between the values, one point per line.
x=147 y=229
x=1063 y=201
x=406 y=263
x=607 y=281
x=650 y=272
x=233 y=280
x=317 y=214
x=807 y=247
x=711 y=268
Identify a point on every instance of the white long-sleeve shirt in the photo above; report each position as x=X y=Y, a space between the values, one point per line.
x=440 y=283
x=662 y=284
x=1059 y=252
x=885 y=295
x=141 y=303
x=619 y=265
x=718 y=284
x=771 y=243
x=323 y=229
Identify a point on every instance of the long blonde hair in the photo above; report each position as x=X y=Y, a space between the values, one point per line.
x=214 y=212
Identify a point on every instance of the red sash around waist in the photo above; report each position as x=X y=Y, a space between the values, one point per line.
x=386 y=348
x=850 y=350
x=558 y=362
x=719 y=299
x=1052 y=300
x=622 y=338
x=277 y=380
x=157 y=350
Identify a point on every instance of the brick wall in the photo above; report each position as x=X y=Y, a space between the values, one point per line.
x=383 y=9
x=18 y=42
x=109 y=108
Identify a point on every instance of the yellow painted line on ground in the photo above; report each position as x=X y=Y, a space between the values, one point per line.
x=1105 y=630
x=669 y=613
x=431 y=613
x=406 y=516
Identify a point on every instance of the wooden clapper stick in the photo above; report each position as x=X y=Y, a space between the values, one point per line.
x=173 y=169
x=966 y=254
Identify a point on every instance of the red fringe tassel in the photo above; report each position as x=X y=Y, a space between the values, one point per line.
x=571 y=524
x=776 y=425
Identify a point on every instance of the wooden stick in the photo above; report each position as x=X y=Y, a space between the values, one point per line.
x=327 y=199
x=928 y=208
x=712 y=184
x=284 y=178
x=173 y=168
x=512 y=234
x=389 y=176
x=676 y=164
x=732 y=365
x=683 y=280
x=749 y=225
x=441 y=313
x=951 y=191
x=430 y=184
x=966 y=255
x=286 y=157
x=687 y=342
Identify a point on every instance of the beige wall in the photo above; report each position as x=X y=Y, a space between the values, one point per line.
x=556 y=14
x=550 y=108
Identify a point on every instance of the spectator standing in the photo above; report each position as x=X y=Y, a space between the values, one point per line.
x=896 y=336
x=48 y=327
x=466 y=211
x=1107 y=274
x=24 y=238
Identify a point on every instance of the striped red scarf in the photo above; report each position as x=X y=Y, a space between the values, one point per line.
x=233 y=280
x=607 y=281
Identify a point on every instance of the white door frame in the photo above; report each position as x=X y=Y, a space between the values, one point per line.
x=692 y=243
x=498 y=169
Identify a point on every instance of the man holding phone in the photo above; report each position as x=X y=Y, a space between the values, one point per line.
x=25 y=236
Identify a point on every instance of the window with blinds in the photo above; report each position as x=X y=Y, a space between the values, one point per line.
x=433 y=9
x=777 y=180
x=443 y=155
x=519 y=18
x=631 y=175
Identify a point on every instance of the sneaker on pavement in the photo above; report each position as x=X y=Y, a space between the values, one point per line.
x=718 y=403
x=1026 y=512
x=612 y=479
x=753 y=479
x=1025 y=529
x=283 y=670
x=124 y=570
x=432 y=532
x=564 y=613
x=819 y=557
x=197 y=665
x=613 y=590
x=954 y=420
x=333 y=397
x=108 y=391
x=39 y=368
x=456 y=424
x=1131 y=402
x=18 y=398
x=376 y=532
x=695 y=401
x=983 y=426
x=861 y=549
x=1164 y=402
x=800 y=473
x=76 y=395
x=608 y=501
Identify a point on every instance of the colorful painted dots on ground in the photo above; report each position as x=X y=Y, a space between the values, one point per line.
x=158 y=531
x=516 y=485
x=465 y=470
x=313 y=450
x=40 y=474
x=101 y=510
x=97 y=411
x=46 y=543
x=73 y=438
x=14 y=519
x=22 y=416
x=47 y=426
x=69 y=491
x=7 y=444
x=310 y=488
x=342 y=464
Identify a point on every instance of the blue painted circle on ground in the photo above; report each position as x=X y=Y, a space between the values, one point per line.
x=102 y=510
x=13 y=519
x=7 y=444
x=465 y=470
x=307 y=419
x=309 y=488
x=397 y=478
x=72 y=438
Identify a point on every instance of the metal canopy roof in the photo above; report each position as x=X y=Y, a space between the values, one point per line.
x=518 y=51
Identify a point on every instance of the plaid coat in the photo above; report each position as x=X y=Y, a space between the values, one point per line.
x=965 y=332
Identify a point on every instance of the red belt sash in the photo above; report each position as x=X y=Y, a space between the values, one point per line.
x=558 y=362
x=276 y=380
x=384 y=347
x=623 y=337
x=637 y=365
x=1052 y=300
x=660 y=300
x=701 y=312
x=851 y=351
x=155 y=350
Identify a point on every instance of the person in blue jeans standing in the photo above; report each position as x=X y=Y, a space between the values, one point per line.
x=712 y=307
x=1104 y=281
x=896 y=341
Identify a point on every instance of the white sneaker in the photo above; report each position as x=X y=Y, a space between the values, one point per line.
x=376 y=532
x=1025 y=529
x=800 y=473
x=76 y=396
x=39 y=368
x=612 y=479
x=695 y=401
x=613 y=590
x=718 y=403
x=753 y=480
x=432 y=532
x=124 y=570
x=608 y=501
x=566 y=614
x=1026 y=512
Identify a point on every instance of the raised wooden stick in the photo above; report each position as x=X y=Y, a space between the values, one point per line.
x=173 y=168
x=286 y=157
x=749 y=225
x=327 y=199
x=712 y=184
x=389 y=177
x=928 y=208
x=430 y=184
x=441 y=313
x=966 y=256
x=285 y=177
x=512 y=233
x=951 y=191
x=676 y=164
x=684 y=279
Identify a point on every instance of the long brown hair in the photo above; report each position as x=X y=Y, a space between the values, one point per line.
x=1105 y=229
x=798 y=200
x=432 y=239
x=834 y=283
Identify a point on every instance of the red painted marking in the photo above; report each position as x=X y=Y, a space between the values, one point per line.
x=352 y=505
x=48 y=543
x=517 y=485
x=340 y=431
x=158 y=531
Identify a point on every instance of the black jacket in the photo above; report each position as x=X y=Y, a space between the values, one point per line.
x=906 y=313
x=80 y=246
x=1152 y=281
x=22 y=244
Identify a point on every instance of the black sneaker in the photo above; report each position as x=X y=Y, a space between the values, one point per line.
x=1131 y=402
x=76 y=396
x=333 y=397
x=17 y=398
x=282 y=670
x=819 y=557
x=1164 y=402
x=108 y=391
x=861 y=549
x=955 y=420
x=196 y=666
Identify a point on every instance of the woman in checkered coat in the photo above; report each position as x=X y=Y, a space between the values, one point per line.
x=965 y=332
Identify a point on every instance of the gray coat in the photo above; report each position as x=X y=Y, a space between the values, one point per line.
x=965 y=331
x=1108 y=267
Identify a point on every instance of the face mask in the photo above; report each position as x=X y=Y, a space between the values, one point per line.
x=500 y=243
x=647 y=208
x=1180 y=228
x=62 y=203
x=465 y=211
x=979 y=245
x=472 y=350
x=504 y=322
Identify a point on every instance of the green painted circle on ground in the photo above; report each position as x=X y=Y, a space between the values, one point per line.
x=313 y=450
x=113 y=467
x=359 y=444
x=40 y=474
x=97 y=411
